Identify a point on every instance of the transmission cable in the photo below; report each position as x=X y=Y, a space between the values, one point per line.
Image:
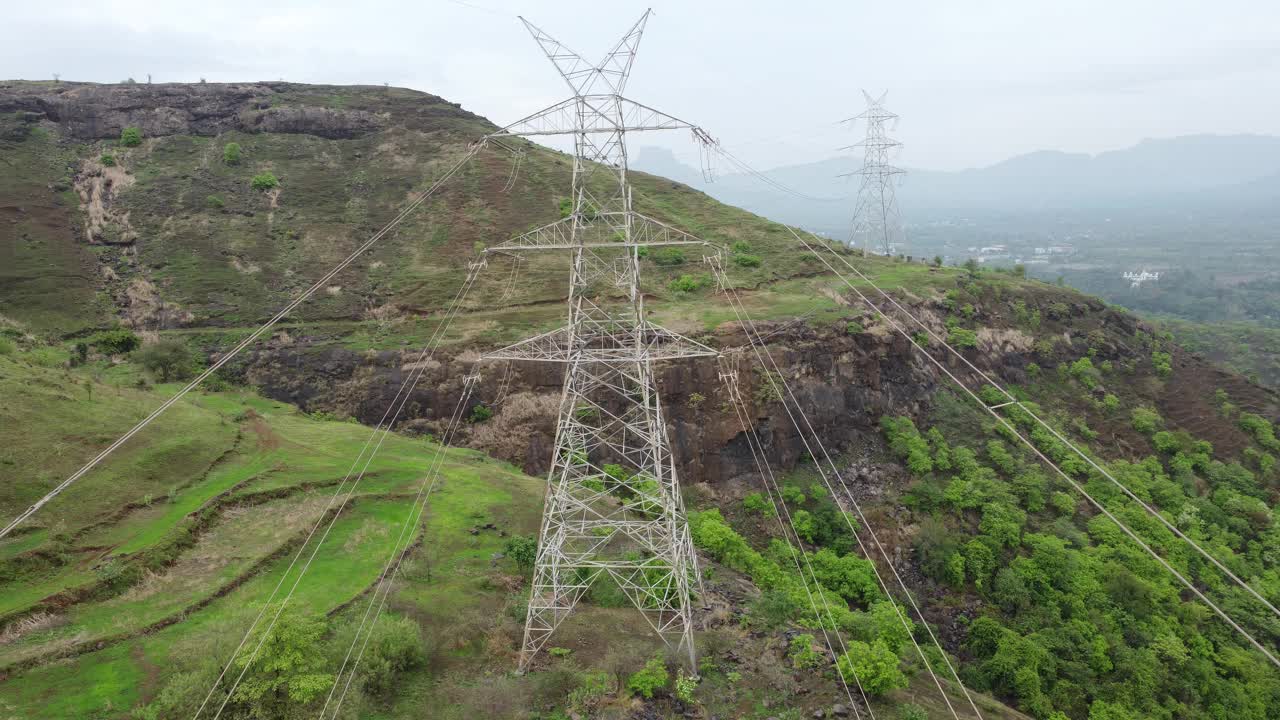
x=1071 y=481
x=222 y=360
x=767 y=362
x=780 y=512
x=395 y=559
x=1145 y=506
x=384 y=427
x=1013 y=400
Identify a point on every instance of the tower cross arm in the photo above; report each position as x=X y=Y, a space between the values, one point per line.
x=601 y=114
x=604 y=230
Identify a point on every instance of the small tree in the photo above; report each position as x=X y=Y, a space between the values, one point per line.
x=653 y=676
x=167 y=359
x=875 y=666
x=288 y=669
x=264 y=181
x=131 y=137
x=231 y=153
x=523 y=551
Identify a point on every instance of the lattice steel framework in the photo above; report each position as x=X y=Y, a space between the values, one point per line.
x=613 y=505
x=877 y=226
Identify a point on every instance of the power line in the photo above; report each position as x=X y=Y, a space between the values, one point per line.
x=397 y=403
x=780 y=510
x=1077 y=486
x=775 y=378
x=1084 y=456
x=395 y=559
x=224 y=359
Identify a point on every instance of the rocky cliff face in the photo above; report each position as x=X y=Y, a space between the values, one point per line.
x=86 y=111
x=844 y=383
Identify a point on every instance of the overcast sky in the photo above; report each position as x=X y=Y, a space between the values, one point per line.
x=975 y=82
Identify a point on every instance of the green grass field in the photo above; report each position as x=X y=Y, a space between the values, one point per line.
x=235 y=484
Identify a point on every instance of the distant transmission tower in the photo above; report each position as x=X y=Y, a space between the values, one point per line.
x=877 y=227
x=613 y=505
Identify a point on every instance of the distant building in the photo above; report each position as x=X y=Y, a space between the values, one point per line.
x=1136 y=279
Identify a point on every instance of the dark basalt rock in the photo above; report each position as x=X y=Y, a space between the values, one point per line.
x=87 y=111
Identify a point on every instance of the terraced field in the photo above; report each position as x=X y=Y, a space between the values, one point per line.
x=178 y=546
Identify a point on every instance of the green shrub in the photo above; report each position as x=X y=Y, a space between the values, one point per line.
x=131 y=137
x=7 y=346
x=108 y=160
x=215 y=202
x=395 y=645
x=1110 y=403
x=523 y=551
x=668 y=256
x=802 y=654
x=1146 y=420
x=1165 y=442
x=687 y=283
x=166 y=359
x=649 y=679
x=911 y=711
x=1084 y=372
x=115 y=342
x=1162 y=363
x=685 y=685
x=264 y=181
x=792 y=494
x=854 y=328
x=805 y=527
x=1063 y=503
x=231 y=153
x=745 y=260
x=481 y=413
x=1261 y=429
x=962 y=338
x=756 y=503
x=875 y=666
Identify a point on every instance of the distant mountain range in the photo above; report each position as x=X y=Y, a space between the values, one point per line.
x=1193 y=172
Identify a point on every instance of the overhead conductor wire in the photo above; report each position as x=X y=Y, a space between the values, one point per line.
x=383 y=427
x=781 y=512
x=1025 y=441
x=767 y=362
x=224 y=359
x=391 y=569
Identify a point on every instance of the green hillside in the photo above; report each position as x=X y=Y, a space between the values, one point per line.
x=123 y=597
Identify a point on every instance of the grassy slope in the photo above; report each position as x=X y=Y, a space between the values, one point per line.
x=271 y=480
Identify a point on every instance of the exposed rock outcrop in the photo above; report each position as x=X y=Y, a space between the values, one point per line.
x=843 y=382
x=87 y=111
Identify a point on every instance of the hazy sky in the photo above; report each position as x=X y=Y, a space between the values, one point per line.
x=975 y=82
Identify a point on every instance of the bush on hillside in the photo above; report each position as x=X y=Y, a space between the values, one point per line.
x=264 y=181
x=668 y=256
x=1146 y=420
x=231 y=153
x=115 y=342
x=962 y=338
x=131 y=137
x=167 y=360
x=875 y=666
x=649 y=679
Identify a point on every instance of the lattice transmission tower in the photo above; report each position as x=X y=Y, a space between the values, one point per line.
x=877 y=226
x=613 y=505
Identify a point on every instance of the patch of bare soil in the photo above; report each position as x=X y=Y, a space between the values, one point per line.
x=98 y=185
